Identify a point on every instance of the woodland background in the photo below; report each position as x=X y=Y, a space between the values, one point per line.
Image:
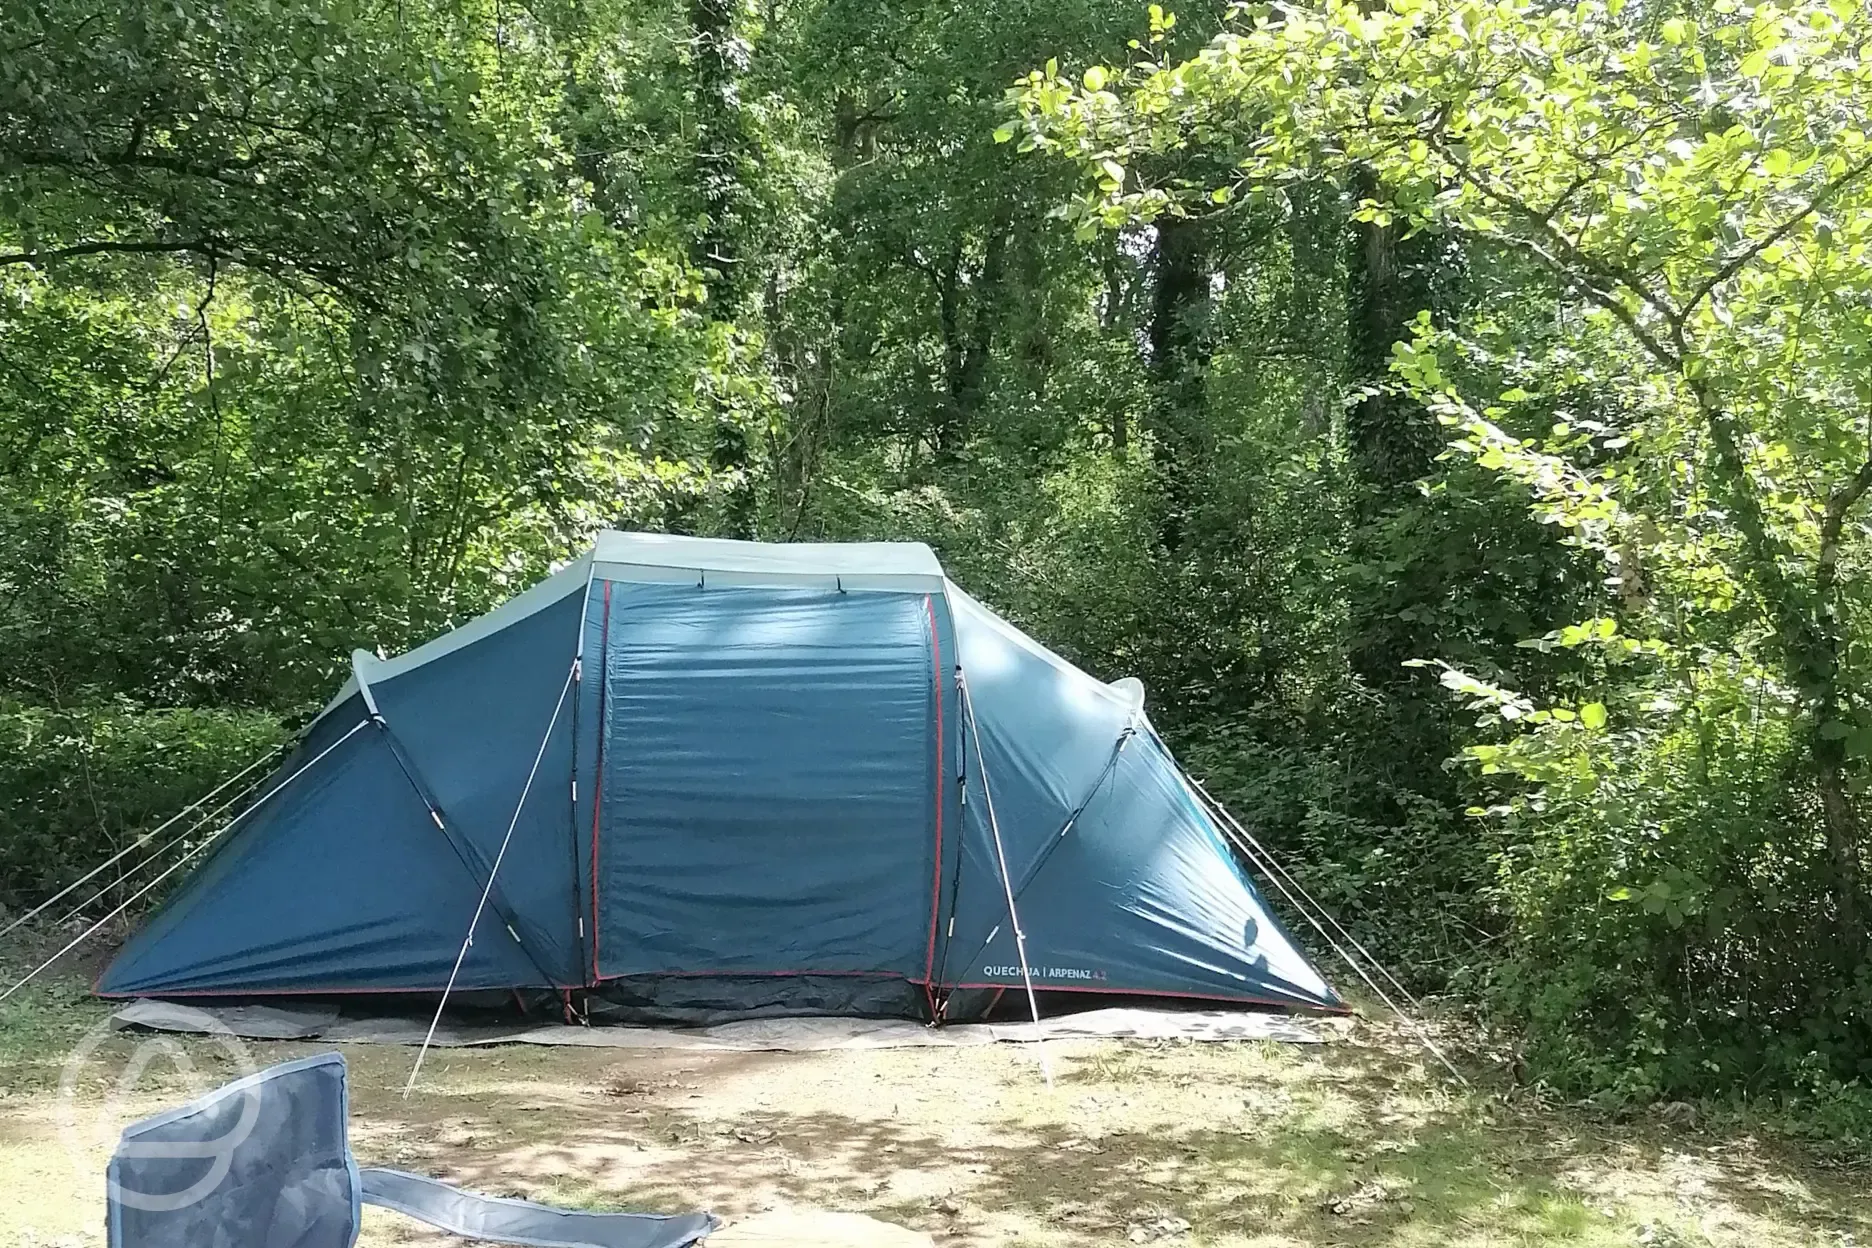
x=1455 y=413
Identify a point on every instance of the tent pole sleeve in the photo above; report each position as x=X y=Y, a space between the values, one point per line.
x=936 y=684
x=955 y=894
x=578 y=648
x=359 y=659
x=1072 y=819
x=471 y=861
x=179 y=863
x=955 y=883
x=578 y=700
x=598 y=765
x=1007 y=885
x=486 y=892
x=1118 y=748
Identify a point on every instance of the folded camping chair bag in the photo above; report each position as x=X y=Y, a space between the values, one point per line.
x=265 y=1163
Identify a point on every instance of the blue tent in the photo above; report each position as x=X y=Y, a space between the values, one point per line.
x=721 y=778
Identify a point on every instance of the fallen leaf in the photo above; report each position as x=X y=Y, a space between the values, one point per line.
x=1158 y=1228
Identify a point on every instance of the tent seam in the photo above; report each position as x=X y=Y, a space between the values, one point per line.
x=936 y=683
x=598 y=764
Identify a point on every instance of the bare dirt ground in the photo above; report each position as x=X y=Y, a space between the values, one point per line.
x=1352 y=1143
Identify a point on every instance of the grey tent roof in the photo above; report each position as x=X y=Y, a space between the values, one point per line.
x=903 y=566
x=660 y=557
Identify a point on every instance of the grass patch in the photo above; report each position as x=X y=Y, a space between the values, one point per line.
x=43 y=1022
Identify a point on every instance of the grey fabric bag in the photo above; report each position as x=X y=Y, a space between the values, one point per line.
x=264 y=1163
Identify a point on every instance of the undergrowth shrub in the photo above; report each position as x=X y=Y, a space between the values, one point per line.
x=78 y=784
x=1672 y=928
x=1404 y=874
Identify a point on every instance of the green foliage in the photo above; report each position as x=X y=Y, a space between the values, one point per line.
x=77 y=786
x=1670 y=216
x=1332 y=367
x=1400 y=870
x=1668 y=893
x=299 y=312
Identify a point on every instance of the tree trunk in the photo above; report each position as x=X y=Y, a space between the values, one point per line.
x=1111 y=321
x=721 y=154
x=1400 y=607
x=1841 y=817
x=949 y=432
x=1831 y=762
x=1806 y=623
x=968 y=327
x=1394 y=442
x=1179 y=347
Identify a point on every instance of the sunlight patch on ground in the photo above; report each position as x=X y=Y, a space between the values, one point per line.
x=1228 y=1146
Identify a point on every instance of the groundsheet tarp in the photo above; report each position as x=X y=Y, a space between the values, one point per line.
x=788 y=1035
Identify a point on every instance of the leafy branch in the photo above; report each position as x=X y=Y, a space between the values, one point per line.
x=200 y=246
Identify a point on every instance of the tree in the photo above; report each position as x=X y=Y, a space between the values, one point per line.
x=1707 y=191
x=309 y=340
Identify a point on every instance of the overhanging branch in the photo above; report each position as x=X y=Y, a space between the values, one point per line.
x=1833 y=522
x=1743 y=258
x=199 y=246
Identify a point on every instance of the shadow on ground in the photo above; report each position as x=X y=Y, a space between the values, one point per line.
x=1352 y=1144
x=1354 y=1148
